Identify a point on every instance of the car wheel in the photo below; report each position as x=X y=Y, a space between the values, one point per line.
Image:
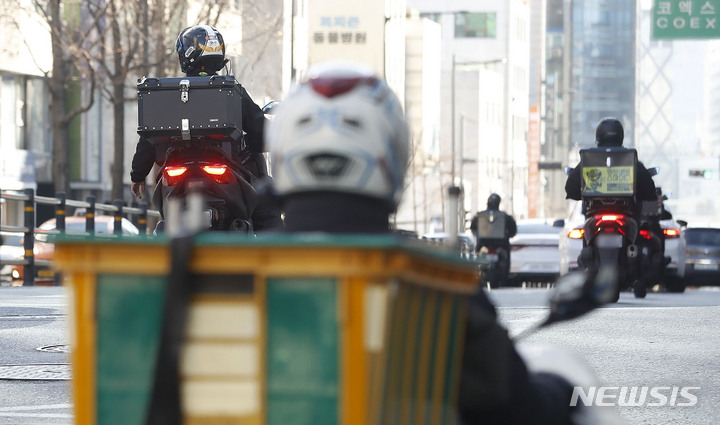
x=640 y=290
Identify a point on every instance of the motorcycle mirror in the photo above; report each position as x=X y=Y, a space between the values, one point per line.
x=567 y=170
x=578 y=293
x=269 y=109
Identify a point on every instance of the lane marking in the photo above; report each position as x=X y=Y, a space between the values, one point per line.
x=37 y=415
x=38 y=407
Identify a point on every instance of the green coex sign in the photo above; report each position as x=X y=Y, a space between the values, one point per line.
x=685 y=19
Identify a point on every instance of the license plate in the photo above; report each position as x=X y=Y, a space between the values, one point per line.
x=541 y=267
x=609 y=241
x=706 y=267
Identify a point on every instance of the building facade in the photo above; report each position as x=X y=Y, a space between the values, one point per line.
x=25 y=140
x=485 y=95
x=602 y=72
x=423 y=197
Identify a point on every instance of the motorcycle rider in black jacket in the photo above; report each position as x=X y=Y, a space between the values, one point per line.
x=609 y=133
x=196 y=61
x=493 y=205
x=343 y=172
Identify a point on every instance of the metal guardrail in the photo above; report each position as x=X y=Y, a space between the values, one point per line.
x=30 y=229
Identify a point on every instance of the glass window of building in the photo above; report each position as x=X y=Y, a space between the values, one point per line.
x=432 y=16
x=475 y=25
x=11 y=122
x=38 y=117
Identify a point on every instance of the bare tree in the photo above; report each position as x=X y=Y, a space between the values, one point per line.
x=262 y=44
x=109 y=44
x=129 y=46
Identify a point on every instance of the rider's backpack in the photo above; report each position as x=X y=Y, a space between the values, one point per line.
x=185 y=108
x=609 y=177
x=490 y=225
x=608 y=172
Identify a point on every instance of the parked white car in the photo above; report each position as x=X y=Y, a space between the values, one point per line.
x=534 y=255
x=11 y=249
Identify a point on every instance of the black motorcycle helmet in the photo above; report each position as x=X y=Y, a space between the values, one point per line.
x=493 y=202
x=201 y=50
x=609 y=133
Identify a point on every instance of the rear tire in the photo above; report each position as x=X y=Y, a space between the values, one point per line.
x=640 y=290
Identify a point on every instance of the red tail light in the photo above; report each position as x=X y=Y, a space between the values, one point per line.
x=646 y=234
x=619 y=219
x=219 y=173
x=576 y=234
x=173 y=174
x=671 y=233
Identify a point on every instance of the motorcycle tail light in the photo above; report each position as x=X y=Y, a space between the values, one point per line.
x=219 y=173
x=173 y=174
x=576 y=233
x=646 y=234
x=671 y=233
x=615 y=218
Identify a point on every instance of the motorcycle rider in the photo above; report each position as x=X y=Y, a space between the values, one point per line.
x=198 y=60
x=493 y=206
x=609 y=133
x=340 y=149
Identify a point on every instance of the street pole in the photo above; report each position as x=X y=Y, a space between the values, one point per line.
x=452 y=119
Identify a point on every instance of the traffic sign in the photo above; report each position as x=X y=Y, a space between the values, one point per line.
x=685 y=19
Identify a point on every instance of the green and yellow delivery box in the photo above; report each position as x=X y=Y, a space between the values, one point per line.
x=285 y=329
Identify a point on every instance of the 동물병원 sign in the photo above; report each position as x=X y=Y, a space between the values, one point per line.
x=685 y=19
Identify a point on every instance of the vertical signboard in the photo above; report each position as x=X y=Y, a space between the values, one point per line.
x=533 y=160
x=351 y=30
x=685 y=19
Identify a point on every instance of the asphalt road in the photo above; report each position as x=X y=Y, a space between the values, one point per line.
x=665 y=340
x=33 y=356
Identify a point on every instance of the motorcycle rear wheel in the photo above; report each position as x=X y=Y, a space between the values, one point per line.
x=640 y=290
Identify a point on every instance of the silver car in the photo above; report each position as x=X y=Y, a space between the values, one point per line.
x=702 y=262
x=534 y=255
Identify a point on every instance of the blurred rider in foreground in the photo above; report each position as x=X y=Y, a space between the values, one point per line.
x=340 y=149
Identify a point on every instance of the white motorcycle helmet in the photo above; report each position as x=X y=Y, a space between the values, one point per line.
x=341 y=129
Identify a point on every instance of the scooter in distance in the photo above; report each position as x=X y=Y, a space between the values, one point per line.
x=611 y=234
